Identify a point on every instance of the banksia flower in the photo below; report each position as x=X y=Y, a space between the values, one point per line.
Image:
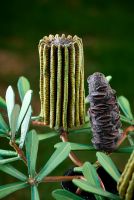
x=62 y=81
x=104 y=113
x=126 y=183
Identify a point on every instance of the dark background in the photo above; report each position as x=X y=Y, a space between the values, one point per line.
x=107 y=30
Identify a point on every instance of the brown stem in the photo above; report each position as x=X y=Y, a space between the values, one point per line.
x=75 y=159
x=78 y=191
x=101 y=183
x=38 y=123
x=72 y=156
x=19 y=151
x=60 y=178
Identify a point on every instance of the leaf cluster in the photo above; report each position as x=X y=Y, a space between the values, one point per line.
x=24 y=141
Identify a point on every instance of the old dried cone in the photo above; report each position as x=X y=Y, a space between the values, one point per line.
x=62 y=81
x=104 y=113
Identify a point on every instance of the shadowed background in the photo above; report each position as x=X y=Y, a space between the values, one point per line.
x=107 y=30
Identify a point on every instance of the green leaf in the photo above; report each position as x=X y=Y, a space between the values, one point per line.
x=126 y=120
x=87 y=100
x=34 y=118
x=8 y=160
x=10 y=188
x=9 y=169
x=86 y=118
x=84 y=185
x=107 y=163
x=125 y=106
x=2 y=103
x=10 y=101
x=3 y=124
x=60 y=154
x=125 y=149
x=86 y=125
x=131 y=140
x=14 y=119
x=75 y=146
x=47 y=135
x=108 y=78
x=91 y=176
x=3 y=133
x=81 y=131
x=7 y=153
x=34 y=193
x=23 y=86
x=25 y=126
x=60 y=194
x=31 y=151
x=25 y=104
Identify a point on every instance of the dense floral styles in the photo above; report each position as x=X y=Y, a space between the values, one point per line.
x=62 y=81
x=126 y=182
x=104 y=113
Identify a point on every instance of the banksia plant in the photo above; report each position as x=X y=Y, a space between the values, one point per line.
x=104 y=113
x=62 y=81
x=63 y=107
x=126 y=183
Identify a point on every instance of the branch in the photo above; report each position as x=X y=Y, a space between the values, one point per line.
x=19 y=151
x=38 y=123
x=72 y=156
x=76 y=160
x=60 y=178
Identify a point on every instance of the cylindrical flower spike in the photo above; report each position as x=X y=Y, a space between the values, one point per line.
x=62 y=81
x=104 y=113
x=126 y=183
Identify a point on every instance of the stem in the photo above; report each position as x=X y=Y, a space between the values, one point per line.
x=72 y=156
x=38 y=123
x=19 y=151
x=60 y=178
x=78 y=191
x=76 y=160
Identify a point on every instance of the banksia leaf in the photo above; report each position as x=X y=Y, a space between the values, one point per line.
x=62 y=81
x=104 y=113
x=23 y=86
x=126 y=182
x=11 y=187
x=10 y=102
x=2 y=103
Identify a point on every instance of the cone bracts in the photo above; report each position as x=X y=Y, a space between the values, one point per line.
x=104 y=113
x=126 y=182
x=62 y=81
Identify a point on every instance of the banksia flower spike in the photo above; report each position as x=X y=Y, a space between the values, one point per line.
x=104 y=113
x=126 y=183
x=62 y=81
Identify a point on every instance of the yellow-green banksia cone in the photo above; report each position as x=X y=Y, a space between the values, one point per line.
x=126 y=183
x=62 y=81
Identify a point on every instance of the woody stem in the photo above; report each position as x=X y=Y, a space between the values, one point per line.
x=19 y=151
x=72 y=156
x=60 y=178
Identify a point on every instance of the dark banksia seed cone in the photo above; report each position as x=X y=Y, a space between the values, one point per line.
x=62 y=81
x=126 y=183
x=104 y=113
